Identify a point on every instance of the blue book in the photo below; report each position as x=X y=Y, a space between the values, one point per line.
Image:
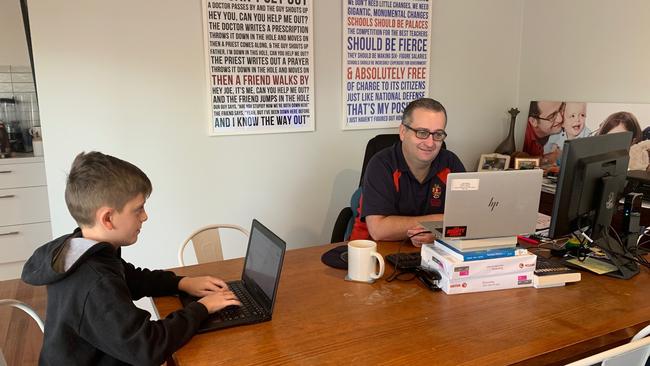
x=475 y=255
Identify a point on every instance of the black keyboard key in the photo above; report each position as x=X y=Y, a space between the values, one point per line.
x=249 y=307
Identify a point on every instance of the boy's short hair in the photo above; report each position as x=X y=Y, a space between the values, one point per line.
x=97 y=180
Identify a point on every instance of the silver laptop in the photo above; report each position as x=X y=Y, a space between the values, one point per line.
x=491 y=204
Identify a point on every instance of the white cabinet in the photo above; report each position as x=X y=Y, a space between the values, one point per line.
x=24 y=212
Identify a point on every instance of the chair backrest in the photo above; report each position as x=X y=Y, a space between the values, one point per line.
x=375 y=145
x=24 y=307
x=634 y=353
x=19 y=352
x=207 y=243
x=642 y=333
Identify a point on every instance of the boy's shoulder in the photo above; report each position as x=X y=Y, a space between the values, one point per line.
x=63 y=257
x=103 y=262
x=97 y=279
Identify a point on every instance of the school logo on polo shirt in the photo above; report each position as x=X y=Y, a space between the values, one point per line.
x=436 y=192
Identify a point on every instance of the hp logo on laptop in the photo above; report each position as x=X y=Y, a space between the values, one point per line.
x=493 y=204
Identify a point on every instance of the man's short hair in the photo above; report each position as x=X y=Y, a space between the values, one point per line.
x=97 y=180
x=426 y=103
x=534 y=109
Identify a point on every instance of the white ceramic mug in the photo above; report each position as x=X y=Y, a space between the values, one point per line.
x=362 y=263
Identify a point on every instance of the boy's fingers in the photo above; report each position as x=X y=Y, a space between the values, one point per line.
x=218 y=282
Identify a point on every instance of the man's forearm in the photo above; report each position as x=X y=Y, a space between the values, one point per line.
x=393 y=228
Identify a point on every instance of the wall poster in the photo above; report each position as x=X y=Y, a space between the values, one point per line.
x=259 y=64
x=386 y=47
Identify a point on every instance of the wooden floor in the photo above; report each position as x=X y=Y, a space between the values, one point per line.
x=20 y=337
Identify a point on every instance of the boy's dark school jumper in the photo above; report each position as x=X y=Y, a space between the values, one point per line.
x=91 y=318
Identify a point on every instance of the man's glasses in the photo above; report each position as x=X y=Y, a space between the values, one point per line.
x=553 y=117
x=423 y=134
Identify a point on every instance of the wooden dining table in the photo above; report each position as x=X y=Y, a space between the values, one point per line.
x=322 y=319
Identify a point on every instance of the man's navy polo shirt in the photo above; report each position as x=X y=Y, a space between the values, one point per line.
x=389 y=187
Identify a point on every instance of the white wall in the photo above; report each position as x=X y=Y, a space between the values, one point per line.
x=585 y=50
x=13 y=44
x=475 y=68
x=126 y=78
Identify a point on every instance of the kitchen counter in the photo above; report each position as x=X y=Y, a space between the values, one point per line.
x=22 y=158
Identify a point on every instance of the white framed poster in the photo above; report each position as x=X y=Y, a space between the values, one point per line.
x=259 y=65
x=386 y=48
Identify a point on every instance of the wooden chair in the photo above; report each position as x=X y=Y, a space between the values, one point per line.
x=634 y=353
x=207 y=243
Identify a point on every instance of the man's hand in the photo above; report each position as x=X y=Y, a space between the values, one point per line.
x=424 y=238
x=202 y=286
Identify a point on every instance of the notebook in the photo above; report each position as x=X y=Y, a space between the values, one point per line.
x=258 y=286
x=490 y=204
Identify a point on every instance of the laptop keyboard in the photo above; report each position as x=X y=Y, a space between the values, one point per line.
x=249 y=308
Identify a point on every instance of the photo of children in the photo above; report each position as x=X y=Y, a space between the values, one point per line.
x=575 y=115
x=573 y=126
x=550 y=124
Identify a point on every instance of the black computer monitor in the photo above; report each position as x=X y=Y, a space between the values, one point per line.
x=592 y=178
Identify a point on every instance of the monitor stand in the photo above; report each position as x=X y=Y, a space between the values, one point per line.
x=619 y=257
x=618 y=253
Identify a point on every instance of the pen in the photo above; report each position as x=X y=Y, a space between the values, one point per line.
x=527 y=240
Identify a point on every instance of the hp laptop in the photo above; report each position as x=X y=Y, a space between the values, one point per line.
x=258 y=286
x=490 y=204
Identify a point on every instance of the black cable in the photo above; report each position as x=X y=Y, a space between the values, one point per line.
x=394 y=274
x=586 y=243
x=624 y=254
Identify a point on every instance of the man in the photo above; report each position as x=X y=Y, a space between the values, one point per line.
x=405 y=183
x=544 y=119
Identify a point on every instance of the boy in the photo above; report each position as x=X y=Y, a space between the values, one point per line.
x=91 y=319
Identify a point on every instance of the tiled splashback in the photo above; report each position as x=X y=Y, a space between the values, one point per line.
x=17 y=82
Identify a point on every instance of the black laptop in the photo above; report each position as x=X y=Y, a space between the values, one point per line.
x=258 y=286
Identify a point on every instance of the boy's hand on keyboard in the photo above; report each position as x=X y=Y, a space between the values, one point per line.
x=201 y=286
x=219 y=300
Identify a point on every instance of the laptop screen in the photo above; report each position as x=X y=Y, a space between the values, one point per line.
x=263 y=263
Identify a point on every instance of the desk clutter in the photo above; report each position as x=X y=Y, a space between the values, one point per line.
x=443 y=266
x=552 y=273
x=487 y=267
x=511 y=268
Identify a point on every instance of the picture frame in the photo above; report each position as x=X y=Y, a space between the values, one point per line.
x=493 y=162
x=526 y=163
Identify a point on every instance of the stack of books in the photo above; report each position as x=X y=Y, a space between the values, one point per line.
x=550 y=273
x=479 y=265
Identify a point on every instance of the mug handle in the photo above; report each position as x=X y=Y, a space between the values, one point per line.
x=380 y=260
